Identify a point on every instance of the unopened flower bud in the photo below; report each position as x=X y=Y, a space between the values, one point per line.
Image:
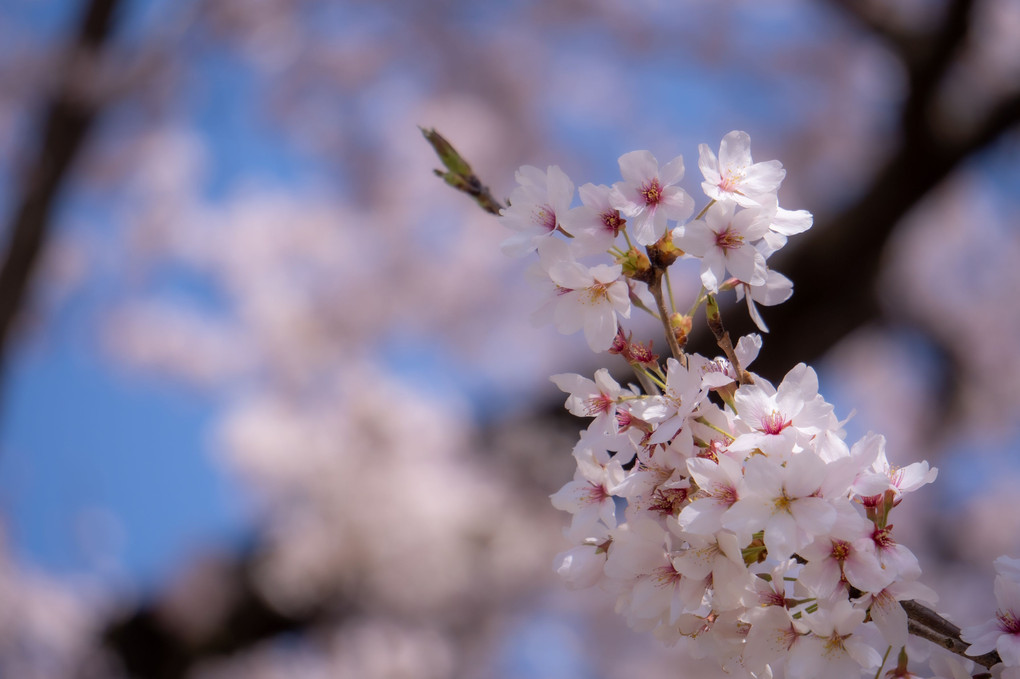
x=459 y=174
x=635 y=265
x=663 y=253
x=681 y=326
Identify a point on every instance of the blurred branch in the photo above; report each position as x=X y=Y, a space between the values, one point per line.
x=149 y=646
x=927 y=68
x=828 y=263
x=848 y=246
x=926 y=56
x=867 y=14
x=69 y=116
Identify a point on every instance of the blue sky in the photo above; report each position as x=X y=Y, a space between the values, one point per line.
x=96 y=459
x=93 y=457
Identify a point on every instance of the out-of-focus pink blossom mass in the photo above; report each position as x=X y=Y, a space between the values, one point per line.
x=274 y=391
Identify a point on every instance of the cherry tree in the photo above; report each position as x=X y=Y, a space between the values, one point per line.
x=372 y=550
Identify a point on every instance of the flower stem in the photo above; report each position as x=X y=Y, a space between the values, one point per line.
x=626 y=237
x=664 y=316
x=704 y=420
x=669 y=289
x=885 y=657
x=722 y=338
x=705 y=209
x=697 y=301
x=641 y=305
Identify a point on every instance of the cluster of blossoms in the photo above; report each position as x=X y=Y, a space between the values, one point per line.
x=735 y=234
x=720 y=509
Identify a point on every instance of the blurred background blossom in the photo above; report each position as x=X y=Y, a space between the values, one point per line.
x=272 y=404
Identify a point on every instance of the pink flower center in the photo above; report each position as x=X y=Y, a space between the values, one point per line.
x=598 y=405
x=729 y=182
x=597 y=292
x=613 y=222
x=896 y=476
x=729 y=240
x=621 y=343
x=773 y=423
x=666 y=576
x=782 y=504
x=834 y=644
x=872 y=501
x=712 y=451
x=1008 y=622
x=545 y=217
x=596 y=494
x=639 y=353
x=840 y=550
x=652 y=192
x=882 y=536
x=772 y=598
x=725 y=495
x=668 y=501
x=717 y=365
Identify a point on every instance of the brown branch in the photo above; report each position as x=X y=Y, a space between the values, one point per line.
x=835 y=265
x=149 y=645
x=927 y=624
x=68 y=119
x=655 y=287
x=722 y=339
x=902 y=42
x=927 y=69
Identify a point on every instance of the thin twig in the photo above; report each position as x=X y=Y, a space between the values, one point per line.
x=656 y=289
x=722 y=338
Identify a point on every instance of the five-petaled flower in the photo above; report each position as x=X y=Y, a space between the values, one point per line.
x=647 y=195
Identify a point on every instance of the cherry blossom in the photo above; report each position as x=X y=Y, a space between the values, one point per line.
x=537 y=206
x=776 y=289
x=582 y=566
x=888 y=615
x=845 y=555
x=683 y=394
x=647 y=195
x=595 y=223
x=1002 y=633
x=718 y=508
x=597 y=399
x=724 y=242
x=833 y=649
x=773 y=636
x=718 y=372
x=734 y=176
x=782 y=501
x=782 y=420
x=717 y=491
x=588 y=298
x=587 y=496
